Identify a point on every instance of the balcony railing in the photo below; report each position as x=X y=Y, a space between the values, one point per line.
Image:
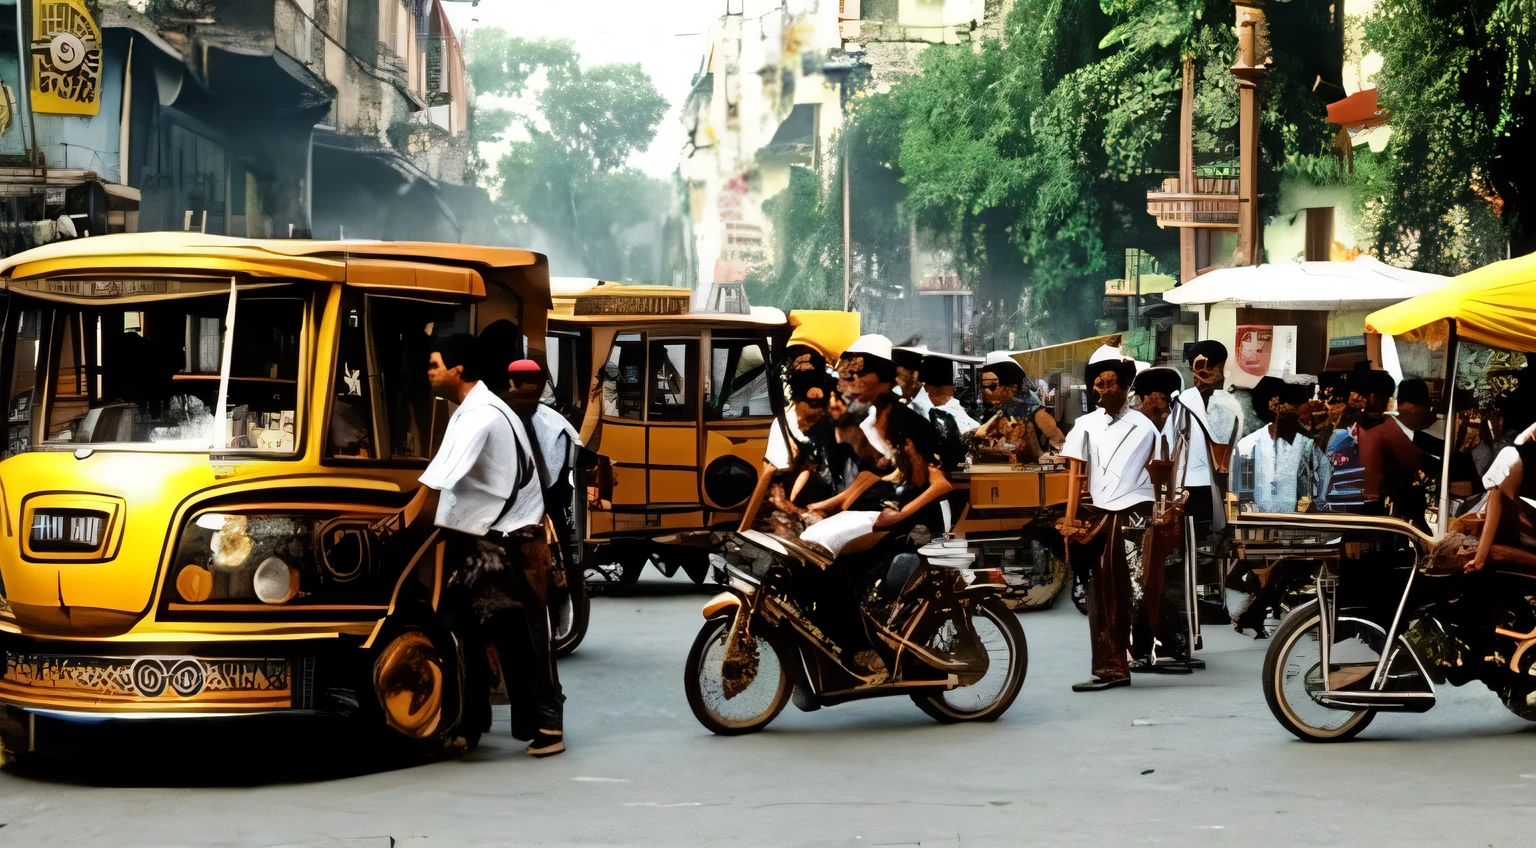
x=1212 y=205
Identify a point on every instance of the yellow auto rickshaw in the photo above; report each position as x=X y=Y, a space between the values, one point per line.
x=677 y=405
x=209 y=488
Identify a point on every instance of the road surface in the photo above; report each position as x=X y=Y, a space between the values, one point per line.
x=1171 y=761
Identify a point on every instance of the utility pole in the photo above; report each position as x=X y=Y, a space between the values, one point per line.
x=847 y=240
x=1251 y=66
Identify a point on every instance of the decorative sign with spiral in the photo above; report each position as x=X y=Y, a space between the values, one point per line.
x=66 y=58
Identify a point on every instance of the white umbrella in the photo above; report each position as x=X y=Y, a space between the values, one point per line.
x=1361 y=284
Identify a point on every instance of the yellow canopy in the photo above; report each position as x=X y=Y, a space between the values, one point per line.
x=1494 y=305
x=829 y=331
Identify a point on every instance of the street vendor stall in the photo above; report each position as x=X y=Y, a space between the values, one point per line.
x=1297 y=317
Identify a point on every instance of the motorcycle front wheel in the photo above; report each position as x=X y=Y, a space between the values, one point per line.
x=1293 y=676
x=704 y=681
x=998 y=630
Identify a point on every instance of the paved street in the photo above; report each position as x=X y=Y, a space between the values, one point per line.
x=1172 y=761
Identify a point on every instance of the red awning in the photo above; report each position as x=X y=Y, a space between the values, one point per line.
x=1359 y=111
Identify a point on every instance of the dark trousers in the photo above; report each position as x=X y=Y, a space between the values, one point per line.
x=491 y=601
x=1166 y=593
x=1109 y=586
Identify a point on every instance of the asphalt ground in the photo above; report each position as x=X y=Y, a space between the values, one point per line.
x=1193 y=760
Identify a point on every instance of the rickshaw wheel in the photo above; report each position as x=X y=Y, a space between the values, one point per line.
x=416 y=688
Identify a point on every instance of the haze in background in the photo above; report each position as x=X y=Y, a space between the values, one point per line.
x=667 y=37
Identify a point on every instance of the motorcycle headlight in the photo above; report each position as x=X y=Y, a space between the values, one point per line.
x=291 y=559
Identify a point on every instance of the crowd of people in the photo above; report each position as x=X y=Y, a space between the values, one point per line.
x=860 y=466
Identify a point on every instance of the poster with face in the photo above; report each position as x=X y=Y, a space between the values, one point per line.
x=1254 y=346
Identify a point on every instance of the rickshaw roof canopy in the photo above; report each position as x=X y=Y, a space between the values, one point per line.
x=829 y=331
x=1494 y=305
x=198 y=253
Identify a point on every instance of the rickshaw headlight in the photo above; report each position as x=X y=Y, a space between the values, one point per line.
x=275 y=581
x=283 y=558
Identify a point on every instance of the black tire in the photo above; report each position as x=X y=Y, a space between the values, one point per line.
x=941 y=708
x=1079 y=593
x=712 y=636
x=1278 y=671
x=570 y=614
x=15 y=738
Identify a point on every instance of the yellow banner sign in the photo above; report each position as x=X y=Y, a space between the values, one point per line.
x=66 y=58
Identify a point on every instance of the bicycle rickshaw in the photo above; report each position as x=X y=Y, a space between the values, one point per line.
x=1373 y=636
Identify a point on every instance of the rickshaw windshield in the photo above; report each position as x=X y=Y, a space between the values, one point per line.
x=147 y=374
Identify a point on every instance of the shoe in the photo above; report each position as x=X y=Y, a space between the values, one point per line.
x=1169 y=667
x=1100 y=683
x=547 y=743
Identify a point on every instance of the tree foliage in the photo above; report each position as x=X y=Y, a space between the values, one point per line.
x=565 y=170
x=1032 y=155
x=1454 y=187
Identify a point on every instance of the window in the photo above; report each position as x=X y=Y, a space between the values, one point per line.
x=400 y=340
x=351 y=430
x=24 y=349
x=674 y=390
x=623 y=390
x=738 y=380
x=123 y=376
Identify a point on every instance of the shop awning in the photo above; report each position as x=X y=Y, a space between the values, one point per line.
x=1494 y=305
x=1363 y=283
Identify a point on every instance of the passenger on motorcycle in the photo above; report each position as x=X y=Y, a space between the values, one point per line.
x=896 y=493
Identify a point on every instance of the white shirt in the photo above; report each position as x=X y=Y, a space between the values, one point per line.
x=1221 y=419
x=1116 y=451
x=556 y=437
x=484 y=456
x=922 y=403
x=963 y=420
x=777 y=453
x=872 y=433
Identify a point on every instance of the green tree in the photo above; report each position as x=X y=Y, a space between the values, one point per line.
x=1454 y=187
x=566 y=170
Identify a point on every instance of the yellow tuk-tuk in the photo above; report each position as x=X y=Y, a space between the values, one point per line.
x=209 y=488
x=677 y=405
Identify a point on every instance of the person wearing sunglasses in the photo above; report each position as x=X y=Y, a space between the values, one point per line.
x=1017 y=424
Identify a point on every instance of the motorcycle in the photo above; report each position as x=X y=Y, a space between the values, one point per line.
x=1386 y=649
x=947 y=639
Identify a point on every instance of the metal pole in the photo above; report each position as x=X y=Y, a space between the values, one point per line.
x=847 y=242
x=24 y=96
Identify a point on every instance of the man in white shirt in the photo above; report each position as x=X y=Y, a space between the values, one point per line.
x=951 y=423
x=1111 y=447
x=1207 y=421
x=491 y=513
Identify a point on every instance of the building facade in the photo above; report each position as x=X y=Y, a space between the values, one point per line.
x=772 y=93
x=269 y=118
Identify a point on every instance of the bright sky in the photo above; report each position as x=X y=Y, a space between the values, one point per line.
x=667 y=38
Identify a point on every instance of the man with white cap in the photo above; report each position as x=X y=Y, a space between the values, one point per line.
x=899 y=492
x=1111 y=447
x=1016 y=422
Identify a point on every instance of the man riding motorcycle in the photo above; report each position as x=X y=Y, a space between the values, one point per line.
x=898 y=490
